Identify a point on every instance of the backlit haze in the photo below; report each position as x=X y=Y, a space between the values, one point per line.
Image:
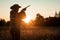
x=45 y=7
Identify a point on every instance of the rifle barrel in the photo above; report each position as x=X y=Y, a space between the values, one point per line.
x=27 y=6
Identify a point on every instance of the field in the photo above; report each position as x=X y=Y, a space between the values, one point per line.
x=32 y=33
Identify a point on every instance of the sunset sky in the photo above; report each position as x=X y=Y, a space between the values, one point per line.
x=44 y=7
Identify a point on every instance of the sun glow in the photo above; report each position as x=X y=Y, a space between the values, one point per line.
x=27 y=19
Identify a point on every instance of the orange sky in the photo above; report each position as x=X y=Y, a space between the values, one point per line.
x=44 y=7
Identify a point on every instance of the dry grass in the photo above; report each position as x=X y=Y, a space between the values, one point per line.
x=35 y=33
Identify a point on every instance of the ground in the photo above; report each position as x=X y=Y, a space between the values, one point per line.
x=32 y=33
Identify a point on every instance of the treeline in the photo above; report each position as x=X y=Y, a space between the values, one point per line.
x=39 y=21
x=4 y=23
x=49 y=21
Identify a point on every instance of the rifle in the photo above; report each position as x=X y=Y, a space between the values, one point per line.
x=21 y=12
x=26 y=7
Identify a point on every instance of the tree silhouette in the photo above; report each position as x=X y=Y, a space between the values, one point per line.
x=53 y=21
x=56 y=15
x=39 y=20
x=8 y=23
x=59 y=14
x=2 y=22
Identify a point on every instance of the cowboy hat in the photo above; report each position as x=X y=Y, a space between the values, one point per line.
x=15 y=6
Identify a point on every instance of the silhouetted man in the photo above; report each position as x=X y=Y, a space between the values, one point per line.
x=16 y=21
x=15 y=29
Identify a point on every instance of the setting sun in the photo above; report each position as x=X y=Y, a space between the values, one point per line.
x=27 y=19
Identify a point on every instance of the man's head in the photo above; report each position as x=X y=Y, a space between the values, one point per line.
x=15 y=6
